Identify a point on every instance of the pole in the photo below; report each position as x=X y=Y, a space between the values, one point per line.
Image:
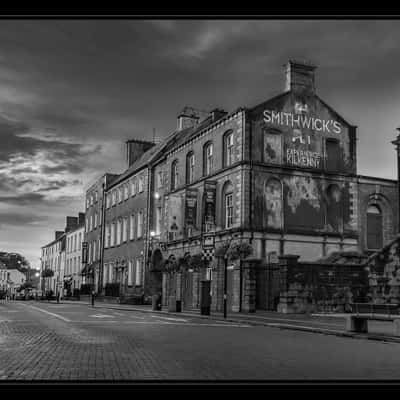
x=225 y=284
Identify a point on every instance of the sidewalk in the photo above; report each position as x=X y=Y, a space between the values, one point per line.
x=328 y=324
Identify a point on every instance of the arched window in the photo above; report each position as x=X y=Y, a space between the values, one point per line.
x=273 y=204
x=207 y=158
x=174 y=175
x=228 y=155
x=227 y=205
x=374 y=227
x=190 y=167
x=334 y=209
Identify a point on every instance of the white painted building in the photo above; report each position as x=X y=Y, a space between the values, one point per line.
x=73 y=260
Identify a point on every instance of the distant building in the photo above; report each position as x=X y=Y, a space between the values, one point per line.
x=73 y=257
x=15 y=280
x=53 y=258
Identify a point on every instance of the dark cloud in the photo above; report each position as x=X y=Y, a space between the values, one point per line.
x=29 y=199
x=24 y=170
x=21 y=219
x=8 y=182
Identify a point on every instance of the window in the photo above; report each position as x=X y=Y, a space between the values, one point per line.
x=228 y=205
x=174 y=175
x=95 y=196
x=75 y=242
x=87 y=224
x=334 y=210
x=87 y=203
x=138 y=277
x=272 y=147
x=120 y=195
x=119 y=231
x=80 y=241
x=159 y=179
x=130 y=273
x=332 y=155
x=108 y=200
x=374 y=227
x=113 y=197
x=110 y=272
x=112 y=241
x=190 y=167
x=94 y=255
x=126 y=192
x=273 y=217
x=228 y=149
x=141 y=183
x=140 y=224
x=107 y=236
x=95 y=220
x=124 y=229
x=158 y=220
x=133 y=187
x=132 y=227
x=207 y=159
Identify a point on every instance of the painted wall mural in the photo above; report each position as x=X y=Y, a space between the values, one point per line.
x=303 y=203
x=273 y=203
x=272 y=148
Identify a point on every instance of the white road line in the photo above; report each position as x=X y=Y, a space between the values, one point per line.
x=52 y=314
x=101 y=316
x=172 y=319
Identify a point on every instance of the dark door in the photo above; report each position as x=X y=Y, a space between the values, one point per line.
x=261 y=289
x=229 y=285
x=188 y=290
x=374 y=231
x=332 y=155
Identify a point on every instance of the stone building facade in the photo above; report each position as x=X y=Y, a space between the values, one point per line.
x=73 y=257
x=94 y=200
x=280 y=177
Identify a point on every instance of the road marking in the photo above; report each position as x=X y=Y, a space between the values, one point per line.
x=101 y=316
x=171 y=319
x=52 y=314
x=120 y=314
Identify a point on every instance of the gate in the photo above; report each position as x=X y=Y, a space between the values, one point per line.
x=267 y=287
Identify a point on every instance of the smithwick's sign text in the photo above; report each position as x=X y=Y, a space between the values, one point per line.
x=303 y=158
x=301 y=121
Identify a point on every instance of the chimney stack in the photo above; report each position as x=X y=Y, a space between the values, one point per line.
x=217 y=113
x=72 y=223
x=135 y=148
x=300 y=76
x=187 y=118
x=81 y=219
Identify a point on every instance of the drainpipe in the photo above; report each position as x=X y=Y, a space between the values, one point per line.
x=103 y=225
x=397 y=144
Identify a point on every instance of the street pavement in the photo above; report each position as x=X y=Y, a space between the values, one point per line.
x=77 y=342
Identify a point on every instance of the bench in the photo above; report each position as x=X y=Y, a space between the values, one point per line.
x=357 y=321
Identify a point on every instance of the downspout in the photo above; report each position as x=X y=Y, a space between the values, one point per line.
x=103 y=225
x=147 y=240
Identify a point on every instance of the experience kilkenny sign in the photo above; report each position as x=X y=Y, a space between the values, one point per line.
x=301 y=120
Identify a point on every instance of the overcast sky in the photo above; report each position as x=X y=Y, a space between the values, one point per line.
x=71 y=93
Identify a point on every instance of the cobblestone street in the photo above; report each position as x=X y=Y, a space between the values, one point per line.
x=44 y=341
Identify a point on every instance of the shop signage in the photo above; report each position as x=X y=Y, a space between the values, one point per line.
x=301 y=120
x=191 y=207
x=85 y=246
x=208 y=241
x=210 y=189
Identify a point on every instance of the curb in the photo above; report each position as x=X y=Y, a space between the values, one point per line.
x=278 y=325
